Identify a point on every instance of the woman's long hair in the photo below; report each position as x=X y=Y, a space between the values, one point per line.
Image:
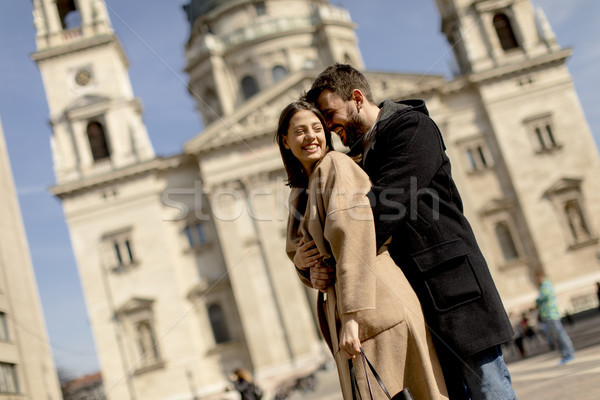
x=296 y=174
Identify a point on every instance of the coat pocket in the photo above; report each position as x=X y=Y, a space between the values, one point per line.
x=448 y=274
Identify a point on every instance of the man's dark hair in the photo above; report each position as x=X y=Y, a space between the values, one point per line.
x=341 y=79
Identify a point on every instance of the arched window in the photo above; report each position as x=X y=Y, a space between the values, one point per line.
x=505 y=32
x=506 y=241
x=97 y=139
x=68 y=13
x=146 y=343
x=249 y=87
x=577 y=224
x=218 y=323
x=212 y=104
x=278 y=73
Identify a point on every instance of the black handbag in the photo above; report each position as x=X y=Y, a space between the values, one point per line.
x=404 y=394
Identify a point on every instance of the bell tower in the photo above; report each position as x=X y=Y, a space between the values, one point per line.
x=485 y=34
x=96 y=120
x=529 y=140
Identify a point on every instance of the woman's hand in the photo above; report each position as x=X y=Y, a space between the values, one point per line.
x=349 y=341
x=307 y=255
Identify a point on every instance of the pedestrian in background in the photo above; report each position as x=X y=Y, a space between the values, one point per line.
x=548 y=309
x=519 y=333
x=244 y=384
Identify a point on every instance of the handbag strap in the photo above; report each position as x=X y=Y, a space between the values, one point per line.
x=366 y=374
x=365 y=362
x=353 y=381
x=375 y=374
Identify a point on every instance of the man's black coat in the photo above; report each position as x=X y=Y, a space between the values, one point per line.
x=416 y=202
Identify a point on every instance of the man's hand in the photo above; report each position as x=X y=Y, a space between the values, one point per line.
x=321 y=277
x=307 y=255
x=308 y=258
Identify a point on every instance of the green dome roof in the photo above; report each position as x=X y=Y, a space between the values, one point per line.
x=196 y=8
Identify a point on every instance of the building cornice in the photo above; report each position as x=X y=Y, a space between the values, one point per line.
x=80 y=45
x=518 y=68
x=461 y=82
x=156 y=164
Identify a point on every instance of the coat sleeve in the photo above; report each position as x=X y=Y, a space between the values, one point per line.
x=415 y=152
x=349 y=230
x=292 y=235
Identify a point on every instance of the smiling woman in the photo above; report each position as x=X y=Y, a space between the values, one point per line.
x=302 y=141
x=306 y=139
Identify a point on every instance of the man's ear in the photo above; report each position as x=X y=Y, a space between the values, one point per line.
x=358 y=97
x=285 y=142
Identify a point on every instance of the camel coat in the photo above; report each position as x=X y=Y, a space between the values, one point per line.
x=336 y=214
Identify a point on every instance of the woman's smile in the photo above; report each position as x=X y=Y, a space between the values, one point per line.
x=306 y=139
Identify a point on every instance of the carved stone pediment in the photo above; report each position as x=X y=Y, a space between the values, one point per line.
x=205 y=286
x=563 y=185
x=87 y=101
x=483 y=6
x=134 y=305
x=497 y=205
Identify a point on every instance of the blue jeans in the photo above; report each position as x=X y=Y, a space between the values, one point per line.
x=486 y=376
x=557 y=331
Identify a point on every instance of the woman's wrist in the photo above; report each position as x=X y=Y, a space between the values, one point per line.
x=347 y=317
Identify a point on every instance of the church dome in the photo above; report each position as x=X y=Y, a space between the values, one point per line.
x=239 y=48
x=197 y=8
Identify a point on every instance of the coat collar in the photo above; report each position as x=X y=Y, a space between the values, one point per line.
x=389 y=108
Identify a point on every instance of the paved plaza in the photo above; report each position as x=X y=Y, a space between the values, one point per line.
x=535 y=377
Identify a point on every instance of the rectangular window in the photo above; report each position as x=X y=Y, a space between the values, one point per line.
x=261 y=8
x=118 y=256
x=542 y=133
x=8 y=378
x=3 y=327
x=140 y=334
x=218 y=323
x=119 y=249
x=481 y=155
x=123 y=253
x=476 y=154
x=506 y=241
x=195 y=234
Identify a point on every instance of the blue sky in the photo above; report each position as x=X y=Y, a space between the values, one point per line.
x=394 y=35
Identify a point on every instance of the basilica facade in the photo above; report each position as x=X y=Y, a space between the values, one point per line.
x=182 y=258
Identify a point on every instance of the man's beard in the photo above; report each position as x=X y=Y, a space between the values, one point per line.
x=355 y=130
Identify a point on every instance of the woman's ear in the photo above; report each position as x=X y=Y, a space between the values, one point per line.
x=285 y=142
